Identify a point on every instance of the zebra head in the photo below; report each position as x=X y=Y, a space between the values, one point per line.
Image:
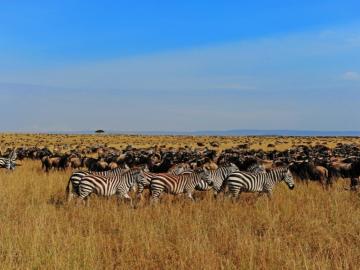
x=205 y=176
x=288 y=179
x=141 y=178
x=10 y=162
x=8 y=165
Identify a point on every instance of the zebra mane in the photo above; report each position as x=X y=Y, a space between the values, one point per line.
x=282 y=169
x=131 y=171
x=126 y=168
x=278 y=172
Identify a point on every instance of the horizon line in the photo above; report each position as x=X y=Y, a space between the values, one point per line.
x=230 y=132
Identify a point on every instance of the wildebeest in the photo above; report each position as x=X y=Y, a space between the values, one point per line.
x=54 y=162
x=308 y=171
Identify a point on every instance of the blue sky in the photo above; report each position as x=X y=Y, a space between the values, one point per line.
x=179 y=65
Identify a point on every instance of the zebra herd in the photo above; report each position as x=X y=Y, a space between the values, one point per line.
x=179 y=180
x=121 y=181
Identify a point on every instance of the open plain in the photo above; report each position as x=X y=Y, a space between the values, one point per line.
x=306 y=228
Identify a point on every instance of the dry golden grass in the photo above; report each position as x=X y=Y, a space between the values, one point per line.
x=306 y=228
x=67 y=142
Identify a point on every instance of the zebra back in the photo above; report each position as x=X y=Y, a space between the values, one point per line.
x=176 y=184
x=217 y=177
x=76 y=177
x=109 y=185
x=258 y=182
x=148 y=176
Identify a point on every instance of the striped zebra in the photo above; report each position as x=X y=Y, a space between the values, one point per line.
x=147 y=177
x=216 y=177
x=219 y=175
x=176 y=184
x=9 y=162
x=76 y=177
x=118 y=185
x=238 y=182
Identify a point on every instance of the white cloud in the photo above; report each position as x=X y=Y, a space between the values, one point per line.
x=299 y=59
x=351 y=76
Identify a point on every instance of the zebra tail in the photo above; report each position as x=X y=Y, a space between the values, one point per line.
x=67 y=190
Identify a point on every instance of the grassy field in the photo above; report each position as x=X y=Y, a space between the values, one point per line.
x=66 y=142
x=306 y=228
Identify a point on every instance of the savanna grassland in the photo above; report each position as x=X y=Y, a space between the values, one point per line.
x=307 y=228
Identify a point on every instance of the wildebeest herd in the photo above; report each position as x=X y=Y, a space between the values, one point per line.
x=108 y=171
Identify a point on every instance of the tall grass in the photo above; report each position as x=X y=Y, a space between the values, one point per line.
x=306 y=228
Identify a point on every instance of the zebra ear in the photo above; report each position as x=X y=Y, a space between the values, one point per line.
x=146 y=168
x=126 y=167
x=206 y=171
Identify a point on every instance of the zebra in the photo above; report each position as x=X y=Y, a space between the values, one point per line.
x=108 y=185
x=76 y=177
x=9 y=162
x=238 y=182
x=177 y=184
x=216 y=177
x=219 y=175
x=147 y=177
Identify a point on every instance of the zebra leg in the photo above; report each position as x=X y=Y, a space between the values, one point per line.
x=269 y=194
x=235 y=195
x=84 y=195
x=154 y=200
x=85 y=201
x=156 y=191
x=127 y=197
x=220 y=194
x=139 y=192
x=155 y=196
x=70 y=196
x=189 y=194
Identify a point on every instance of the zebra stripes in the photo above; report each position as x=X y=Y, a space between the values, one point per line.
x=9 y=163
x=219 y=175
x=176 y=184
x=76 y=177
x=120 y=181
x=145 y=183
x=107 y=186
x=238 y=182
x=216 y=177
x=147 y=177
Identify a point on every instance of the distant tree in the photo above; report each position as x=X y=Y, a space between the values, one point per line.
x=99 y=131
